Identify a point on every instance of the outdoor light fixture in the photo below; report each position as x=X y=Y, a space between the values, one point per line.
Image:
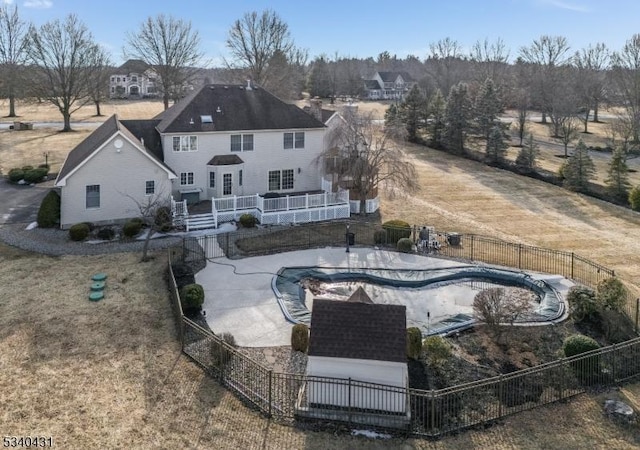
x=346 y=236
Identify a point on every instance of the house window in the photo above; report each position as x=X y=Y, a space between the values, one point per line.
x=280 y=179
x=93 y=196
x=241 y=142
x=287 y=179
x=124 y=78
x=113 y=79
x=113 y=89
x=150 y=187
x=186 y=178
x=118 y=79
x=134 y=79
x=240 y=177
x=212 y=180
x=152 y=80
x=274 y=180
x=294 y=140
x=185 y=143
x=227 y=184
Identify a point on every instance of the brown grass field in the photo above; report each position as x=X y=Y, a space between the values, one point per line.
x=111 y=374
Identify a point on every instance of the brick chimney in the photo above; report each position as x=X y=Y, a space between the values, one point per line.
x=315 y=108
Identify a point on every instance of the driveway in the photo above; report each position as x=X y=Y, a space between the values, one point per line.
x=20 y=203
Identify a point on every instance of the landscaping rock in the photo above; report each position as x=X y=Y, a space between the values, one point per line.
x=618 y=410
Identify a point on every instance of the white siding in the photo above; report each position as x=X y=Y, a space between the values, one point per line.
x=119 y=174
x=268 y=154
x=380 y=372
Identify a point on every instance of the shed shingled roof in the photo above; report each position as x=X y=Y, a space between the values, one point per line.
x=357 y=330
x=233 y=108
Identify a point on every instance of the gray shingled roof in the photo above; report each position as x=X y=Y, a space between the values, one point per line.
x=132 y=66
x=358 y=330
x=389 y=77
x=372 y=84
x=134 y=130
x=225 y=160
x=233 y=108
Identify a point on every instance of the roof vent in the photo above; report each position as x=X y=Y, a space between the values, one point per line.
x=191 y=122
x=249 y=85
x=226 y=87
x=218 y=109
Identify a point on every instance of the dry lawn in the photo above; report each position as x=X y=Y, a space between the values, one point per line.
x=22 y=148
x=111 y=374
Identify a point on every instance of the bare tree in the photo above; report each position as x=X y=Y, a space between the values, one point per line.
x=443 y=62
x=495 y=308
x=172 y=47
x=155 y=212
x=491 y=60
x=625 y=66
x=546 y=55
x=366 y=158
x=62 y=53
x=253 y=41
x=13 y=54
x=522 y=102
x=590 y=81
x=99 y=77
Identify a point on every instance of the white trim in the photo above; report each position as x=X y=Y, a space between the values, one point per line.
x=63 y=181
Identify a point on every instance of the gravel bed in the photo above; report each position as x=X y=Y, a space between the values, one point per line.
x=56 y=242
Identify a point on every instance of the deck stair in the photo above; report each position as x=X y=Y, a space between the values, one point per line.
x=200 y=222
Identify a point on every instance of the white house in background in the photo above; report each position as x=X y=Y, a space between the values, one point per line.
x=134 y=79
x=388 y=85
x=364 y=344
x=220 y=142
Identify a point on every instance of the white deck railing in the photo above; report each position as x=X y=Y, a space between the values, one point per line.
x=179 y=212
x=289 y=209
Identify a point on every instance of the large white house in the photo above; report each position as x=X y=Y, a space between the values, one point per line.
x=133 y=79
x=221 y=141
x=388 y=85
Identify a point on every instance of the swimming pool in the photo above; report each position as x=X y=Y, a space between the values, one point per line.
x=438 y=300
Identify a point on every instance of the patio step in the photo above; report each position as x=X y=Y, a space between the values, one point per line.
x=200 y=222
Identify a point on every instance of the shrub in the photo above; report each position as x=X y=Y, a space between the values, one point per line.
x=248 y=221
x=300 y=338
x=405 y=245
x=586 y=368
x=611 y=294
x=79 y=232
x=49 y=212
x=414 y=342
x=582 y=303
x=35 y=175
x=494 y=307
x=380 y=237
x=222 y=350
x=396 y=230
x=577 y=344
x=437 y=349
x=271 y=195
x=106 y=234
x=634 y=198
x=131 y=228
x=16 y=175
x=44 y=166
x=27 y=168
x=192 y=297
x=162 y=219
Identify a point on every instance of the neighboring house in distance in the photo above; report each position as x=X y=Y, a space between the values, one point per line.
x=134 y=79
x=365 y=343
x=221 y=142
x=110 y=173
x=388 y=85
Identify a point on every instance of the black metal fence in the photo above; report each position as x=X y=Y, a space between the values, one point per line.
x=291 y=397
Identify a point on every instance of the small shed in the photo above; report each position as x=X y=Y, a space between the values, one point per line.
x=364 y=345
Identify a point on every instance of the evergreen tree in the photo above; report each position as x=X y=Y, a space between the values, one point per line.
x=393 y=124
x=579 y=169
x=457 y=118
x=488 y=106
x=526 y=159
x=320 y=79
x=436 y=121
x=618 y=174
x=496 y=146
x=413 y=113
